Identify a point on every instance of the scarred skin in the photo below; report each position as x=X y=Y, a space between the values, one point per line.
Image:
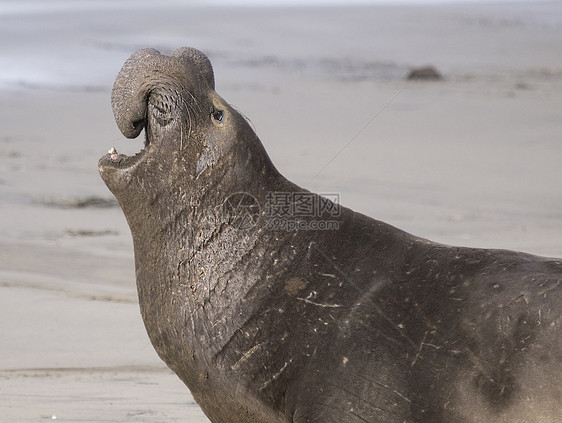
x=364 y=323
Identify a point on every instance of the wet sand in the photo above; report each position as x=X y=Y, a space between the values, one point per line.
x=471 y=160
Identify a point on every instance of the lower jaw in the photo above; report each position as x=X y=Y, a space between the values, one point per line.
x=122 y=161
x=116 y=170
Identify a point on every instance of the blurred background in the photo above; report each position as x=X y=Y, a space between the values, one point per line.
x=470 y=159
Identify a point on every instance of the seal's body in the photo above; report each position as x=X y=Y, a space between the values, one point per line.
x=361 y=322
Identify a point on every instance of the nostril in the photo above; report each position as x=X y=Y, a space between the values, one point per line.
x=134 y=128
x=139 y=124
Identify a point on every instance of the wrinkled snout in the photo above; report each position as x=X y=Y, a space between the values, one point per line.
x=145 y=71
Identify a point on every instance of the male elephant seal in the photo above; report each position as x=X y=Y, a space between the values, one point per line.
x=360 y=322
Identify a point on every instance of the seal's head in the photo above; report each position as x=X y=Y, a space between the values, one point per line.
x=188 y=127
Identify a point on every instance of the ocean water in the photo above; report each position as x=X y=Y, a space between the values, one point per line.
x=81 y=44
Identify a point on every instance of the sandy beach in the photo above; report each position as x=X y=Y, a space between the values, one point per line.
x=471 y=160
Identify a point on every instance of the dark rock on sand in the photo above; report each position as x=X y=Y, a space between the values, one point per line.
x=427 y=73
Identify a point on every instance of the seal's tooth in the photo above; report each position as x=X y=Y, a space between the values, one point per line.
x=112 y=150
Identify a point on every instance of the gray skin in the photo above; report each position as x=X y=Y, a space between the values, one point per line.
x=365 y=323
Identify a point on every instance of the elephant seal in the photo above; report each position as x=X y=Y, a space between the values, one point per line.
x=359 y=322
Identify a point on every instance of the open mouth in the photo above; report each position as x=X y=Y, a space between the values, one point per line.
x=157 y=116
x=122 y=161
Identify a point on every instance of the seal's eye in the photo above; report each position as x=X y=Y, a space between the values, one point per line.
x=217 y=115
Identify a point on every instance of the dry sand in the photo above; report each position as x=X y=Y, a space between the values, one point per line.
x=472 y=160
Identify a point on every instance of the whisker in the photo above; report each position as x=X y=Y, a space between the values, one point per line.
x=188 y=108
